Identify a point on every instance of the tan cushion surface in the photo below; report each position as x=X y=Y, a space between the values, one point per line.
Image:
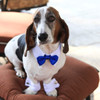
x=12 y=24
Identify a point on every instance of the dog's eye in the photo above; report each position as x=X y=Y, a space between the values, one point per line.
x=36 y=19
x=51 y=18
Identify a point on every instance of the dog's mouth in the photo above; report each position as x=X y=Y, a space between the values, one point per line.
x=44 y=42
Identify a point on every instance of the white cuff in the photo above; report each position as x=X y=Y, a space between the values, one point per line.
x=51 y=86
x=35 y=87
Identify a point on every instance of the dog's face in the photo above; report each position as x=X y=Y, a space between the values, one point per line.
x=44 y=22
x=47 y=27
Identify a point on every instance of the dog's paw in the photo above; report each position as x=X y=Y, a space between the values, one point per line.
x=20 y=73
x=29 y=91
x=52 y=93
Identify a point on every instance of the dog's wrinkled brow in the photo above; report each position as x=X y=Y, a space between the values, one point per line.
x=49 y=13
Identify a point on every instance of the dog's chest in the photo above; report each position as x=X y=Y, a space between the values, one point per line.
x=43 y=72
x=34 y=70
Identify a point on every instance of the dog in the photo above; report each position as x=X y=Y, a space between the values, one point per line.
x=41 y=51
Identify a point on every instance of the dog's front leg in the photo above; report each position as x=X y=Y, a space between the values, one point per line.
x=33 y=86
x=50 y=86
x=18 y=68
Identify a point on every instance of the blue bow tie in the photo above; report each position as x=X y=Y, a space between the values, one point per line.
x=41 y=59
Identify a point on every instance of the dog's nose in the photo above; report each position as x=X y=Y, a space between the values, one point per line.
x=42 y=37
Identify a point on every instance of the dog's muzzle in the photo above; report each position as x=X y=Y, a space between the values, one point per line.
x=43 y=37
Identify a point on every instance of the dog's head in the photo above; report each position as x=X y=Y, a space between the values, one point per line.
x=47 y=27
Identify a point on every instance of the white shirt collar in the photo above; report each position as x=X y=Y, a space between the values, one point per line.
x=38 y=52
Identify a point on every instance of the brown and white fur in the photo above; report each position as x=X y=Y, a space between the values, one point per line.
x=54 y=30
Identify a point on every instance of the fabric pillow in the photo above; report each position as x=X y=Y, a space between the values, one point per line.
x=77 y=80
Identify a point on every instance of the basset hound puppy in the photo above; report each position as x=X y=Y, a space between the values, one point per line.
x=41 y=51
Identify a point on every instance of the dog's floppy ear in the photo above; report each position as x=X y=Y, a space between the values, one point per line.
x=64 y=31
x=30 y=37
